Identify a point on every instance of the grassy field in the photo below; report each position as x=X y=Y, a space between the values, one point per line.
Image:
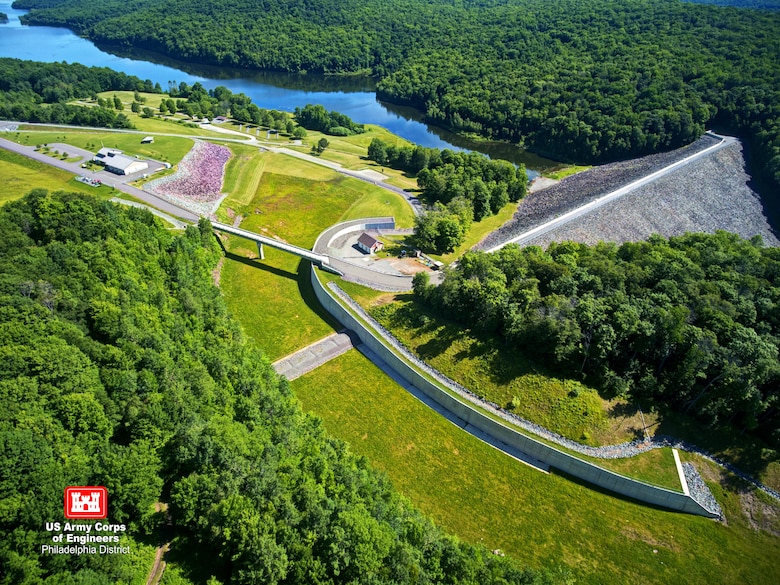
x=350 y=152
x=20 y=175
x=288 y=198
x=565 y=172
x=543 y=520
x=164 y=148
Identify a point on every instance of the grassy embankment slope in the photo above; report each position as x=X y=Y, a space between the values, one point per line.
x=468 y=487
x=544 y=520
x=281 y=196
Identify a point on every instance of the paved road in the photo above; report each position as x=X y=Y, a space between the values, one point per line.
x=609 y=197
x=116 y=181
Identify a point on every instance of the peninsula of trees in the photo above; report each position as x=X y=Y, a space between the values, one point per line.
x=582 y=80
x=39 y=92
x=121 y=367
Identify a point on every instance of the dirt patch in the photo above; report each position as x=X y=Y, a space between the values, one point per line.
x=372 y=175
x=623 y=423
x=407 y=265
x=760 y=515
x=216 y=274
x=636 y=533
x=384 y=299
x=541 y=183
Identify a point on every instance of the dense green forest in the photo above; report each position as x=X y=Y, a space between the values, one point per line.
x=38 y=92
x=315 y=117
x=578 y=80
x=459 y=188
x=690 y=324
x=756 y=4
x=119 y=366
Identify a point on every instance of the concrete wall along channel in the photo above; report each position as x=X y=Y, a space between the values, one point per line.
x=556 y=458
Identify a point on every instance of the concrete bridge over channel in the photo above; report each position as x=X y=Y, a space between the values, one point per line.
x=320 y=260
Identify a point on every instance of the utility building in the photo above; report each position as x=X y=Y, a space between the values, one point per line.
x=119 y=164
x=369 y=243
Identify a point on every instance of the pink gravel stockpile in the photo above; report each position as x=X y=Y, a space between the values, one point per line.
x=199 y=176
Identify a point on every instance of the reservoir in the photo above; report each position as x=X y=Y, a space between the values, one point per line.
x=352 y=96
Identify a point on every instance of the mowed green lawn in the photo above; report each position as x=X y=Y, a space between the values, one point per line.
x=19 y=175
x=543 y=520
x=164 y=148
x=284 y=197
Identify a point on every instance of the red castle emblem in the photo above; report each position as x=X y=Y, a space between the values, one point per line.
x=86 y=502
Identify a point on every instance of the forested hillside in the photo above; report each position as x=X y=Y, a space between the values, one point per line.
x=690 y=324
x=581 y=80
x=120 y=367
x=39 y=92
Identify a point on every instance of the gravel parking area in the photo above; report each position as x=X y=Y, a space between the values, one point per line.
x=705 y=195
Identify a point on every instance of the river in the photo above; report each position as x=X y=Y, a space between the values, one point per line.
x=352 y=96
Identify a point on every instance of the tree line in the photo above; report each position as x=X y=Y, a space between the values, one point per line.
x=315 y=117
x=39 y=92
x=459 y=187
x=690 y=324
x=197 y=102
x=579 y=80
x=120 y=366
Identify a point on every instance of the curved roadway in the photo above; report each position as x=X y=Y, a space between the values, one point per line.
x=359 y=274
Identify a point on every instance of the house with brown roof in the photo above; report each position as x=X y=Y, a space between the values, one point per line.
x=369 y=244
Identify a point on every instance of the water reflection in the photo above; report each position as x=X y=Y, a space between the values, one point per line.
x=353 y=96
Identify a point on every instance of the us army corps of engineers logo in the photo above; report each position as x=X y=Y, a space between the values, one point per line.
x=79 y=538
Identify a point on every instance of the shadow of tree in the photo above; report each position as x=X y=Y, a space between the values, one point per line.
x=746 y=452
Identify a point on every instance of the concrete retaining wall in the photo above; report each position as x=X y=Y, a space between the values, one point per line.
x=555 y=458
x=369 y=224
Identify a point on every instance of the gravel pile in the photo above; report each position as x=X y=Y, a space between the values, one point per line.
x=708 y=194
x=699 y=490
x=620 y=451
x=577 y=190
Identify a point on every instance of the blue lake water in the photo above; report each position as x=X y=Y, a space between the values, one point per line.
x=354 y=97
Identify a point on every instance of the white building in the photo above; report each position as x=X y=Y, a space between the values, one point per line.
x=119 y=164
x=368 y=243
